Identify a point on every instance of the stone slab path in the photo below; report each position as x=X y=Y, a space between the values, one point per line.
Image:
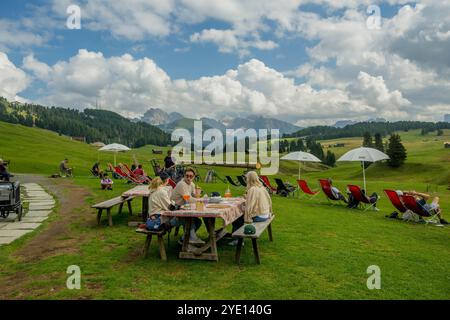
x=40 y=206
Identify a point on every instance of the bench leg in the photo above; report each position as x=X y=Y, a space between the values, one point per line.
x=108 y=213
x=99 y=216
x=129 y=207
x=147 y=245
x=162 y=250
x=269 y=230
x=238 y=250
x=255 y=251
x=120 y=208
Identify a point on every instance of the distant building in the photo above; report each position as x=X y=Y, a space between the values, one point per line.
x=81 y=139
x=447 y=118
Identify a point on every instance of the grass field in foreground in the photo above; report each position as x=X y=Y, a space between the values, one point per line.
x=319 y=250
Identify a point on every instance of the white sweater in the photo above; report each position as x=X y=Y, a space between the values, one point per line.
x=258 y=202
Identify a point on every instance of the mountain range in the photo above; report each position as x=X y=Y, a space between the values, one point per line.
x=170 y=121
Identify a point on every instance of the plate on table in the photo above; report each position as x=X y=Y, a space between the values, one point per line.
x=215 y=200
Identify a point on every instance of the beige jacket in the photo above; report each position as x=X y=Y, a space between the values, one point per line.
x=258 y=202
x=182 y=188
x=159 y=200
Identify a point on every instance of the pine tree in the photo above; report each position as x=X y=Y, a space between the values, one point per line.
x=301 y=145
x=367 y=140
x=396 y=151
x=379 y=142
x=330 y=159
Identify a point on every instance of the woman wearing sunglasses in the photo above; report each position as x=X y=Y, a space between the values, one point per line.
x=186 y=186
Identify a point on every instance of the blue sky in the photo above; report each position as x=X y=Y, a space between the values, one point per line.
x=304 y=61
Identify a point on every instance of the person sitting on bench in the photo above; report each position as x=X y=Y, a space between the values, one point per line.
x=106 y=182
x=64 y=168
x=258 y=205
x=159 y=200
x=421 y=199
x=4 y=174
x=139 y=171
x=186 y=186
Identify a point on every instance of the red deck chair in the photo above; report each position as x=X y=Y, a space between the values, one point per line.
x=305 y=188
x=358 y=195
x=326 y=188
x=411 y=203
x=135 y=176
x=171 y=183
x=265 y=180
x=395 y=200
x=126 y=176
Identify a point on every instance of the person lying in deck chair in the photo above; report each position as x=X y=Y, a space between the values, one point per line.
x=96 y=170
x=421 y=200
x=336 y=192
x=258 y=206
x=357 y=195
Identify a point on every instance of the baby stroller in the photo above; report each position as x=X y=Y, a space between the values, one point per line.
x=10 y=199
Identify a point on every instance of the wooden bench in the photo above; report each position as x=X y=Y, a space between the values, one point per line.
x=108 y=204
x=160 y=234
x=260 y=227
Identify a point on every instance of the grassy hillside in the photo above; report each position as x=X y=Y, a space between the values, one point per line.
x=319 y=250
x=33 y=150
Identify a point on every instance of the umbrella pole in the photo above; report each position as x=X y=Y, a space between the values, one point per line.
x=115 y=159
x=364 y=176
x=299 y=166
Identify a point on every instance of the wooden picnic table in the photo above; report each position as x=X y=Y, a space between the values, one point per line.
x=228 y=210
x=140 y=191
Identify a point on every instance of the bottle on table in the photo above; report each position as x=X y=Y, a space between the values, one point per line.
x=227 y=193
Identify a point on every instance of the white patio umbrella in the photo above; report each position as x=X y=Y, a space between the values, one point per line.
x=300 y=157
x=364 y=155
x=114 y=147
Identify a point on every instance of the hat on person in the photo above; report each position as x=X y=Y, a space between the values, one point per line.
x=249 y=229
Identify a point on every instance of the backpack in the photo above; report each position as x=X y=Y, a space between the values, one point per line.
x=154 y=223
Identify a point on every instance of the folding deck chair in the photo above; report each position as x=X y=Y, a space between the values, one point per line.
x=283 y=188
x=126 y=176
x=230 y=180
x=360 y=197
x=395 y=200
x=303 y=185
x=326 y=188
x=411 y=203
x=241 y=180
x=266 y=182
x=171 y=183
x=135 y=176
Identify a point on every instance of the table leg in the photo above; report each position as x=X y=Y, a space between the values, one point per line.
x=210 y=222
x=144 y=208
x=186 y=235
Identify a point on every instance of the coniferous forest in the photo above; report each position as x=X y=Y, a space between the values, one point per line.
x=92 y=124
